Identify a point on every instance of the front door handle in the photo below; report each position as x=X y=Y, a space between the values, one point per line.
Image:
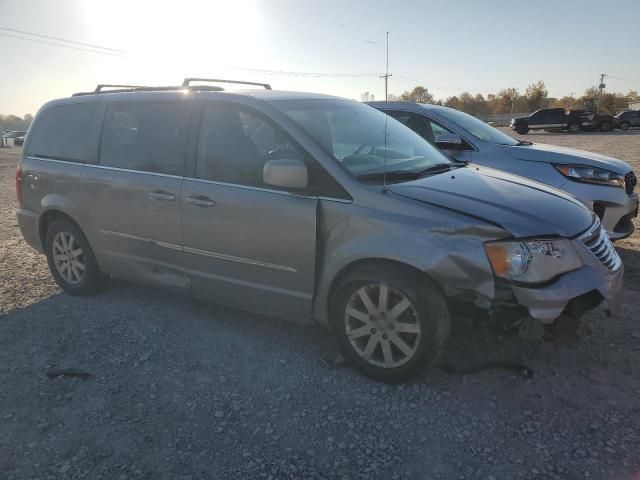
x=162 y=195
x=200 y=201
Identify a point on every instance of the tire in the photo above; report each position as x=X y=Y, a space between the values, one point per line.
x=624 y=126
x=396 y=343
x=573 y=127
x=70 y=258
x=605 y=127
x=522 y=129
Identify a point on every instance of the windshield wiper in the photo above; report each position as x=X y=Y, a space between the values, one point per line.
x=391 y=175
x=523 y=143
x=438 y=168
x=412 y=175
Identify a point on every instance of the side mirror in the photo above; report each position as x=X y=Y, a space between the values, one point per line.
x=450 y=141
x=285 y=173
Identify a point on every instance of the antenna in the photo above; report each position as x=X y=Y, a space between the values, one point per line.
x=386 y=74
x=384 y=172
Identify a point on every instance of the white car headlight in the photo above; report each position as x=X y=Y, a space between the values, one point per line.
x=532 y=261
x=583 y=173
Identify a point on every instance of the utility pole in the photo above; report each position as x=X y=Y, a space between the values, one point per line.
x=601 y=88
x=386 y=74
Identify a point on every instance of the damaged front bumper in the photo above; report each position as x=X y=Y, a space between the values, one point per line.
x=601 y=272
x=569 y=296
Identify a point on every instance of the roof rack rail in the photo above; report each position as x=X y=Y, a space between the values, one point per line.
x=116 y=88
x=107 y=85
x=126 y=88
x=187 y=81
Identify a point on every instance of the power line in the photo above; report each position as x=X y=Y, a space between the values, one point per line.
x=414 y=80
x=623 y=79
x=286 y=73
x=60 y=45
x=99 y=47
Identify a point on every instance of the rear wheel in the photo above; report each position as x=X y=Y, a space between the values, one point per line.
x=624 y=126
x=389 y=328
x=71 y=259
x=605 y=127
x=573 y=127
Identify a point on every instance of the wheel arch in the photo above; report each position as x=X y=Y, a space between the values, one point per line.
x=48 y=218
x=349 y=272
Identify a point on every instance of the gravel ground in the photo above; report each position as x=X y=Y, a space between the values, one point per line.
x=181 y=389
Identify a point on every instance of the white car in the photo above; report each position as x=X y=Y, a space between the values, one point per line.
x=604 y=184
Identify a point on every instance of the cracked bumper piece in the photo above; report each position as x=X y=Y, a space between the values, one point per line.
x=547 y=303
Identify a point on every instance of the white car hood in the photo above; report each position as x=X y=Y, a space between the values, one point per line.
x=540 y=152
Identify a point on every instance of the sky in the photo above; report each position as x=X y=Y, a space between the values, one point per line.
x=331 y=46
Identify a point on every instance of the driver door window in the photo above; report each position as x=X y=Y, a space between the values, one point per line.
x=235 y=144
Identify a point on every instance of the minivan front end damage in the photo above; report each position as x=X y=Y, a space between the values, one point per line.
x=532 y=309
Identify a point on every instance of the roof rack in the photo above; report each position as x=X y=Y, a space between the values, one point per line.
x=107 y=85
x=187 y=81
x=126 y=88
x=116 y=88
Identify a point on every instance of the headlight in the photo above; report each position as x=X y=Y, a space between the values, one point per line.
x=582 y=173
x=532 y=261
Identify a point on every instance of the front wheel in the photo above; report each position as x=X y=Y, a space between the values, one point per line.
x=522 y=129
x=624 y=126
x=389 y=329
x=71 y=259
x=605 y=127
x=573 y=127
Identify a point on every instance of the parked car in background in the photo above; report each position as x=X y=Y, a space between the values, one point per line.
x=628 y=119
x=592 y=120
x=603 y=183
x=19 y=140
x=305 y=206
x=560 y=119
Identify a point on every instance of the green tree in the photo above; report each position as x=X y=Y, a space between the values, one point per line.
x=508 y=101
x=536 y=95
x=419 y=95
x=565 y=102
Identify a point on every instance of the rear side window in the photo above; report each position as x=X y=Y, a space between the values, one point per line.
x=68 y=132
x=150 y=137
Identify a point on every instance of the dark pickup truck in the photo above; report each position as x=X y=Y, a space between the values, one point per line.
x=561 y=119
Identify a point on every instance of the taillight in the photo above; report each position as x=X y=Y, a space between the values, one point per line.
x=18 y=182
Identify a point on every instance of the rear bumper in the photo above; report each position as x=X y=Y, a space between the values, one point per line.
x=28 y=222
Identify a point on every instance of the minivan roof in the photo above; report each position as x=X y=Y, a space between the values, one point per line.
x=135 y=95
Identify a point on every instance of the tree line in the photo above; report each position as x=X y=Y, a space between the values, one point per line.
x=511 y=100
x=14 y=122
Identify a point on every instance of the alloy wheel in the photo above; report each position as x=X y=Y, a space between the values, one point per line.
x=68 y=258
x=382 y=325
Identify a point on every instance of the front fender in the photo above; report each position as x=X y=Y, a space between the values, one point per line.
x=445 y=245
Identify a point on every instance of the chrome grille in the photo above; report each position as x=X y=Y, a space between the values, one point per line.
x=597 y=240
x=630 y=182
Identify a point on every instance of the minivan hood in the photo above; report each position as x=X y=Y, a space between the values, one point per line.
x=540 y=152
x=523 y=207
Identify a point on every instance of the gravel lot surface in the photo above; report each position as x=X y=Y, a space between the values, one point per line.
x=181 y=389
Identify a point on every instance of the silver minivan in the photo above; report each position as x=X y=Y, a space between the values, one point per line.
x=303 y=206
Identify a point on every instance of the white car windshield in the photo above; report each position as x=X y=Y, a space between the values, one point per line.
x=364 y=140
x=476 y=127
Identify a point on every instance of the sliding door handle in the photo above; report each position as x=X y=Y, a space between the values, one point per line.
x=200 y=201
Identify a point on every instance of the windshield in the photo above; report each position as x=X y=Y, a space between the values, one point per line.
x=477 y=127
x=354 y=135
